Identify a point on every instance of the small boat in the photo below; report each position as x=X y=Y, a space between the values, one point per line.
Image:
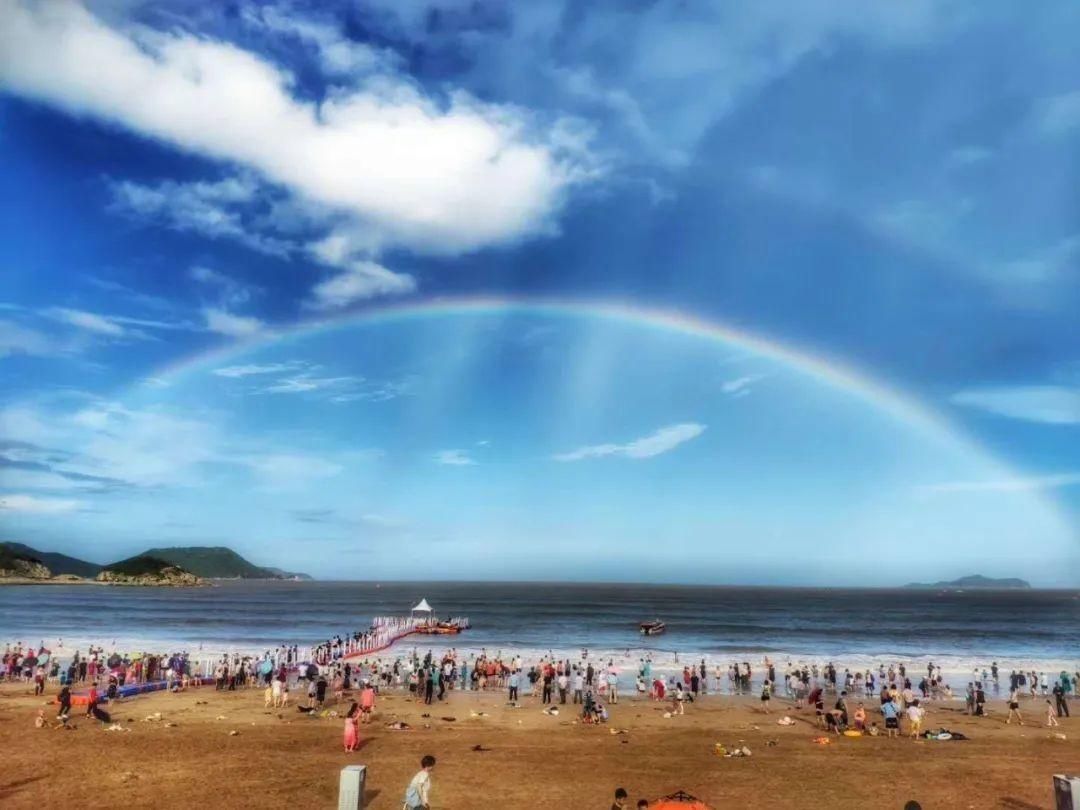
x=653 y=628
x=440 y=629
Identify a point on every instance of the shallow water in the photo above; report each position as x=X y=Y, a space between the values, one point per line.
x=959 y=630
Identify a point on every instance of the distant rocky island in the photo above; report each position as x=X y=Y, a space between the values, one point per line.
x=182 y=566
x=975 y=582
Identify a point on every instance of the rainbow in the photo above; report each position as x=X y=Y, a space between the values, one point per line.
x=829 y=371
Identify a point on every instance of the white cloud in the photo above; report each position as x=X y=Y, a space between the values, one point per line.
x=454 y=458
x=250 y=369
x=740 y=386
x=213 y=209
x=663 y=440
x=34 y=504
x=304 y=383
x=1048 y=404
x=226 y=323
x=338 y=55
x=1052 y=263
x=363 y=280
x=87 y=320
x=969 y=156
x=436 y=177
x=1007 y=485
x=1058 y=115
x=231 y=291
x=283 y=468
x=16 y=339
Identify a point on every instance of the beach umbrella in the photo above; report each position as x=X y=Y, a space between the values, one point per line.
x=44 y=658
x=680 y=800
x=30 y=661
x=266 y=667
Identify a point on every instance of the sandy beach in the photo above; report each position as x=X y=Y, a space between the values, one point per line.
x=280 y=758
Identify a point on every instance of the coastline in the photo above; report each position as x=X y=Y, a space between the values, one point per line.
x=24 y=581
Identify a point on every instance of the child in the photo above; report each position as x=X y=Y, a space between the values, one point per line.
x=284 y=694
x=1051 y=715
x=352 y=734
x=367 y=703
x=860 y=718
x=766 y=695
x=892 y=720
x=678 y=699
x=915 y=715
x=268 y=697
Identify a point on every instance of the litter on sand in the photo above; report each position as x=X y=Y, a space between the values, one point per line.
x=734 y=751
x=785 y=721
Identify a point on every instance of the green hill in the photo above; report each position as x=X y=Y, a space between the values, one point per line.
x=15 y=564
x=216 y=562
x=139 y=565
x=57 y=563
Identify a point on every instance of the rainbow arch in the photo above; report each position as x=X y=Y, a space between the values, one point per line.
x=901 y=406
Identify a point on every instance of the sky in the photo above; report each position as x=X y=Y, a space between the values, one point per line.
x=763 y=293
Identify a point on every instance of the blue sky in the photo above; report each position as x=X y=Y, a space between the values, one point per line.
x=196 y=197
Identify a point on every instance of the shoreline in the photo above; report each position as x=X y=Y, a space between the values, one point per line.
x=956 y=671
x=53 y=582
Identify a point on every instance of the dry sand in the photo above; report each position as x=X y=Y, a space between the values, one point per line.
x=280 y=758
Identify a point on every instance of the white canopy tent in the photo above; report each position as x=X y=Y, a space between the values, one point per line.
x=423 y=607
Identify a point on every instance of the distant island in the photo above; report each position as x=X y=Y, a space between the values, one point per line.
x=177 y=566
x=975 y=582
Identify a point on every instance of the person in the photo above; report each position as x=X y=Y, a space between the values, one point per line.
x=1014 y=706
x=563 y=683
x=1051 y=715
x=892 y=722
x=643 y=804
x=860 y=717
x=1061 y=707
x=418 y=793
x=515 y=684
x=91 y=701
x=352 y=733
x=678 y=699
x=367 y=702
x=65 y=704
x=915 y=714
x=620 y=799
x=766 y=695
x=613 y=686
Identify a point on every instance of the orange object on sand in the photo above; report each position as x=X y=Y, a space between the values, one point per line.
x=680 y=800
x=821 y=740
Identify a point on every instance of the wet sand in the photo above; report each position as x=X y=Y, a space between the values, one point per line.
x=280 y=758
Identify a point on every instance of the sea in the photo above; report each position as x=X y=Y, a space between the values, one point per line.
x=962 y=631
